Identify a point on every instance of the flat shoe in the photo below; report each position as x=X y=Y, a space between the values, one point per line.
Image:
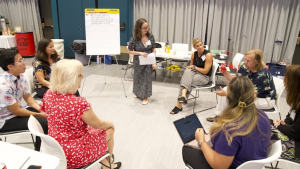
x=176 y=110
x=145 y=102
x=135 y=96
x=212 y=119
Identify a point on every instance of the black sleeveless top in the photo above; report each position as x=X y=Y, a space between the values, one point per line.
x=200 y=63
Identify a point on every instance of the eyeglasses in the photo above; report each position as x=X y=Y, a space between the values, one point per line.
x=21 y=60
x=145 y=28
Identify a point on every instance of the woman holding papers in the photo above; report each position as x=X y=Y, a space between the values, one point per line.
x=288 y=131
x=72 y=122
x=141 y=44
x=196 y=74
x=241 y=133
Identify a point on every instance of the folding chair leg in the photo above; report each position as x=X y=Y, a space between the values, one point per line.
x=33 y=141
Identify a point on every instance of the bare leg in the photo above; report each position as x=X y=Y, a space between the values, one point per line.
x=110 y=145
x=110 y=141
x=183 y=93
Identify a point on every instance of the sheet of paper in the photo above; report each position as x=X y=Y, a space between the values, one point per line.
x=236 y=61
x=102 y=28
x=149 y=60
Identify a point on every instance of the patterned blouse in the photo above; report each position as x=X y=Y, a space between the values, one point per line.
x=137 y=45
x=38 y=67
x=262 y=81
x=81 y=143
x=12 y=89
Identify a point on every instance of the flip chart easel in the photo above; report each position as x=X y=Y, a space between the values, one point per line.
x=102 y=29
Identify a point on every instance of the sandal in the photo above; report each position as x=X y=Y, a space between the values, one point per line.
x=176 y=110
x=113 y=158
x=117 y=163
x=182 y=100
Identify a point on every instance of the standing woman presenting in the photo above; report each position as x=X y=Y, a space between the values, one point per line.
x=141 y=44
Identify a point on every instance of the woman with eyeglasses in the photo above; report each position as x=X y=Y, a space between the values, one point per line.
x=288 y=130
x=241 y=133
x=141 y=44
x=72 y=122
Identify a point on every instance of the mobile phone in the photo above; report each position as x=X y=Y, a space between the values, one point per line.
x=34 y=167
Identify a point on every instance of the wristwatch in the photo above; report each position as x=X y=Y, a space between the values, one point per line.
x=194 y=66
x=199 y=143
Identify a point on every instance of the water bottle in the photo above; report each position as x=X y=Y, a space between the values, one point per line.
x=98 y=60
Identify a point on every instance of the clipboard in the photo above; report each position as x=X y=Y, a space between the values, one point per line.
x=187 y=126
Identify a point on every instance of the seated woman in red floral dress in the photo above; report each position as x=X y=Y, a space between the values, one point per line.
x=71 y=120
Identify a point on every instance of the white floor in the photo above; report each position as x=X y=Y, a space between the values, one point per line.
x=145 y=136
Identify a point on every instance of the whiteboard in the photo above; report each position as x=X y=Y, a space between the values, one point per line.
x=102 y=30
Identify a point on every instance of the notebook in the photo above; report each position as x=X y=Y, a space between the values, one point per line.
x=187 y=126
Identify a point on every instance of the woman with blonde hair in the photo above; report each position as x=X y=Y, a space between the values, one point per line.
x=71 y=120
x=141 y=44
x=288 y=131
x=254 y=68
x=197 y=73
x=240 y=134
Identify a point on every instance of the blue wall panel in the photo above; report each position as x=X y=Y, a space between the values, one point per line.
x=126 y=11
x=69 y=24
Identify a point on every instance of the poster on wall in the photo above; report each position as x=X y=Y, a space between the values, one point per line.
x=102 y=29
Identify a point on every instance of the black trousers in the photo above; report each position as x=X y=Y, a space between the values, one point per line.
x=20 y=123
x=195 y=158
x=41 y=91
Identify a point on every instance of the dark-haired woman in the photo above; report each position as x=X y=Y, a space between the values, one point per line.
x=288 y=131
x=141 y=44
x=44 y=58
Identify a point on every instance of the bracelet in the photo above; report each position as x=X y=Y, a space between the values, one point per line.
x=199 y=143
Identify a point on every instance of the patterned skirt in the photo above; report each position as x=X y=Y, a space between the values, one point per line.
x=288 y=145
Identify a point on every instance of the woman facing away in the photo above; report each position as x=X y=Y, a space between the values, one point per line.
x=197 y=73
x=288 y=131
x=141 y=44
x=71 y=120
x=241 y=133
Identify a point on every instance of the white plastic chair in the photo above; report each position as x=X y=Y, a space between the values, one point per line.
x=180 y=46
x=211 y=85
x=289 y=163
x=274 y=152
x=279 y=86
x=52 y=147
x=237 y=60
x=16 y=133
x=29 y=77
